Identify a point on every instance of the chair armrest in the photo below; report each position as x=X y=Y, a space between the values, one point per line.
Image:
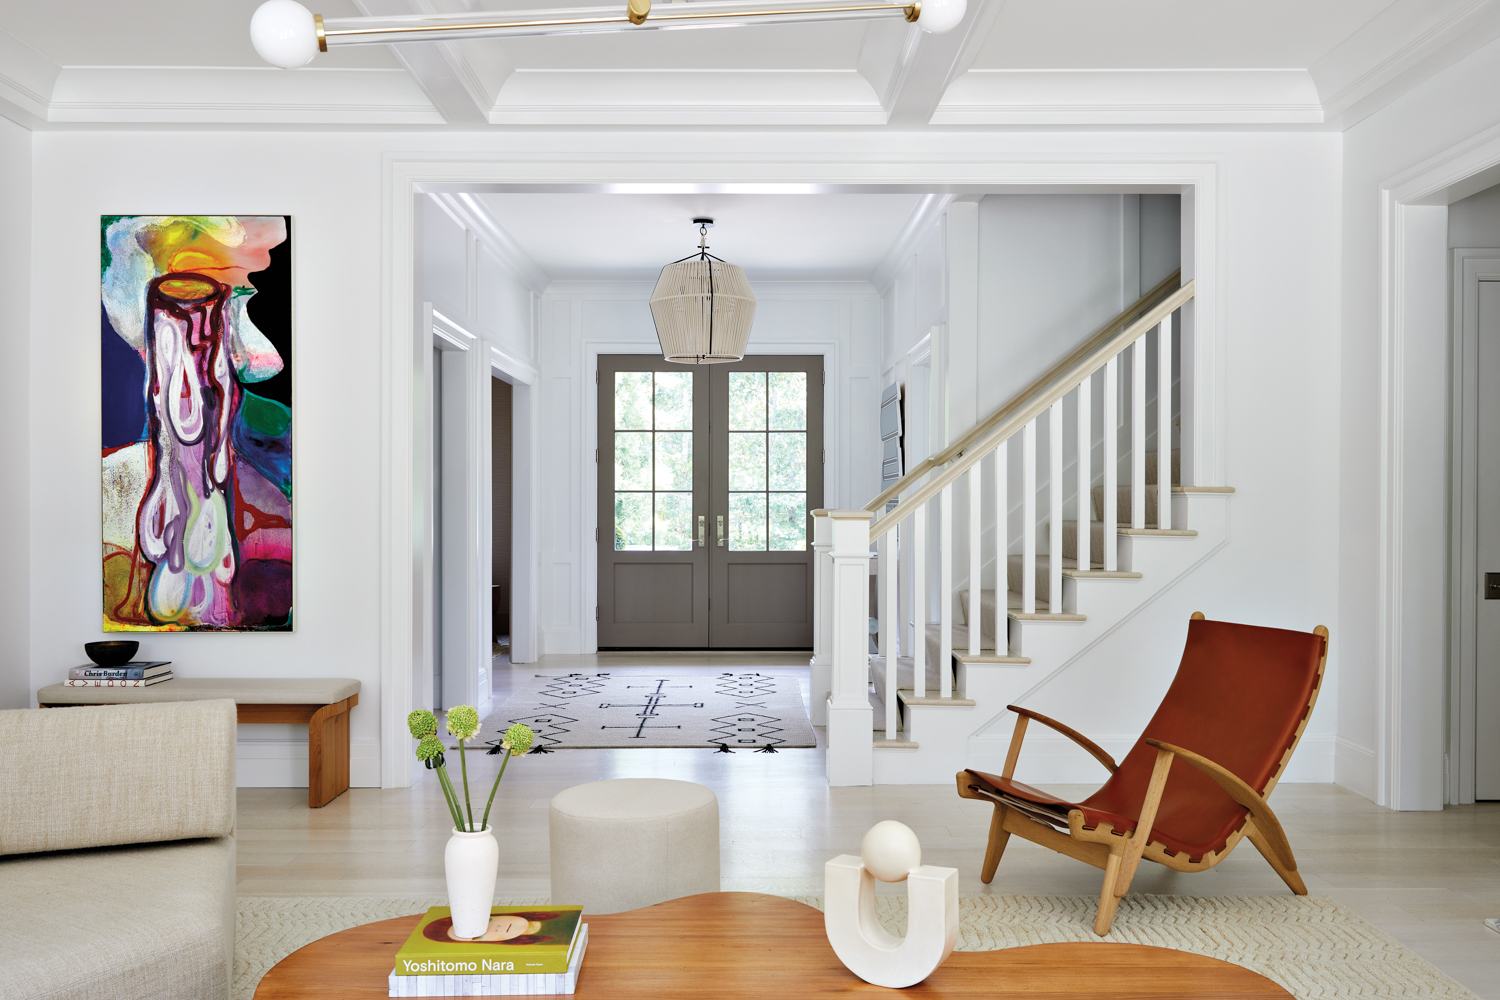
x=1094 y=749
x=1253 y=802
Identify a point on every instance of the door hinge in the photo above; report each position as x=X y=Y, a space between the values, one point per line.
x=596 y=534
x=825 y=456
x=596 y=612
x=596 y=456
x=596 y=376
x=825 y=378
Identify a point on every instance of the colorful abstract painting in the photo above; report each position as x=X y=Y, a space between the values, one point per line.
x=196 y=326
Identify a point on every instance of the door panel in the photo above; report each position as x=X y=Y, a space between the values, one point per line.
x=1487 y=675
x=767 y=474
x=653 y=488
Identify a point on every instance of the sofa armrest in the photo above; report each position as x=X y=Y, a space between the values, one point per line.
x=94 y=776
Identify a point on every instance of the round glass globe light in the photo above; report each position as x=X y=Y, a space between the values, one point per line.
x=890 y=851
x=283 y=34
x=939 y=16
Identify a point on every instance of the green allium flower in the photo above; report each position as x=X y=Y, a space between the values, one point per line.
x=421 y=723
x=517 y=739
x=430 y=748
x=463 y=721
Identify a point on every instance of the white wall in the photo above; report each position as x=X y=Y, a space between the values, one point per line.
x=1449 y=109
x=580 y=321
x=330 y=185
x=1475 y=220
x=15 y=417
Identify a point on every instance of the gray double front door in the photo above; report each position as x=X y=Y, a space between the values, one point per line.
x=706 y=477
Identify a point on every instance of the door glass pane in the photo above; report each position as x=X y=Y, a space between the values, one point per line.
x=747 y=522
x=747 y=461
x=633 y=521
x=632 y=461
x=788 y=461
x=747 y=401
x=674 y=401
x=674 y=460
x=788 y=516
x=633 y=401
x=788 y=395
x=674 y=522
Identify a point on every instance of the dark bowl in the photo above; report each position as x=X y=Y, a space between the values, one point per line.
x=111 y=654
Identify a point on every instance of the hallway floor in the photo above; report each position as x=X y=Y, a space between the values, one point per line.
x=1427 y=879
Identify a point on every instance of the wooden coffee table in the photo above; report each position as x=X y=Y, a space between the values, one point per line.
x=747 y=946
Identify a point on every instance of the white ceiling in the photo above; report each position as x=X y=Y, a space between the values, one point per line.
x=829 y=237
x=1011 y=63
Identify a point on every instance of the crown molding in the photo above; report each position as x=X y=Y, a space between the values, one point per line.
x=1082 y=97
x=26 y=81
x=474 y=215
x=1403 y=45
x=687 y=97
x=239 y=96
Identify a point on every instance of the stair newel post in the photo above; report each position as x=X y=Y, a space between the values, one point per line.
x=974 y=616
x=886 y=586
x=1054 y=506
x=1138 y=433
x=1028 y=519
x=1084 y=533
x=945 y=592
x=1164 y=423
x=919 y=601
x=1110 y=418
x=821 y=664
x=850 y=747
x=1002 y=546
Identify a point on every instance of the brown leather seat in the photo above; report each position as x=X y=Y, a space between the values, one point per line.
x=1239 y=702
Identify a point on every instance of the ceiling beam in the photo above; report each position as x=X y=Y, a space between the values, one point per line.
x=927 y=64
x=439 y=68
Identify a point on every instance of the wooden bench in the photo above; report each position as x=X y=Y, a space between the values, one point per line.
x=322 y=704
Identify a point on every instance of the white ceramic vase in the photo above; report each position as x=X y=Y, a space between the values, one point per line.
x=471 y=862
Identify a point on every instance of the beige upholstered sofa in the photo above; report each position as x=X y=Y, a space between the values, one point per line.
x=117 y=852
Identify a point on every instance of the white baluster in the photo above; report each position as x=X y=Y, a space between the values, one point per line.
x=1054 y=507
x=1164 y=423
x=885 y=573
x=1138 y=433
x=1085 y=476
x=945 y=593
x=1028 y=519
x=892 y=608
x=976 y=499
x=1002 y=548
x=919 y=601
x=1111 y=420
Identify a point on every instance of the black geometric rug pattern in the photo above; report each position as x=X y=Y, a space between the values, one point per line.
x=727 y=711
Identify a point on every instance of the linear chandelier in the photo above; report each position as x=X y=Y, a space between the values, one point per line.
x=288 y=35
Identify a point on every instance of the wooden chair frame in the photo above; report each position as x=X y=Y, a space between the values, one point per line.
x=1120 y=854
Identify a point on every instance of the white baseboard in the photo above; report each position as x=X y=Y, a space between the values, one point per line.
x=283 y=763
x=1354 y=767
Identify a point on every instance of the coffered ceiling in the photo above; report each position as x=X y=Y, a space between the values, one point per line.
x=1011 y=63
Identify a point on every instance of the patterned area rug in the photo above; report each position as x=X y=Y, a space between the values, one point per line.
x=733 y=711
x=1313 y=947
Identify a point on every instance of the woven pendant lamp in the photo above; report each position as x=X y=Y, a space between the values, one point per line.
x=703 y=307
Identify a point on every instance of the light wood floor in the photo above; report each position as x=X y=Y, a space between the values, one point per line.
x=1427 y=879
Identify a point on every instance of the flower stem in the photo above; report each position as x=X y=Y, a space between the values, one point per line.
x=463 y=762
x=458 y=819
x=495 y=788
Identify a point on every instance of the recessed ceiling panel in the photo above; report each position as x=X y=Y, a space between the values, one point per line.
x=829 y=45
x=839 y=237
x=1170 y=34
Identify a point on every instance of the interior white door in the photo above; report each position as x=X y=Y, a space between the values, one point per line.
x=1487 y=672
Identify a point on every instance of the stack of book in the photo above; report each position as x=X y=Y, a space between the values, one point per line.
x=525 y=951
x=139 y=674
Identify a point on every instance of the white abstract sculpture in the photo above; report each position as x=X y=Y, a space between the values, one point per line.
x=890 y=852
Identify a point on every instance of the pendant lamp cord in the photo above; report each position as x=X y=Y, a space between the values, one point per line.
x=705 y=256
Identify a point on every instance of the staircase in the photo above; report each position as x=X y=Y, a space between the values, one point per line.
x=938 y=705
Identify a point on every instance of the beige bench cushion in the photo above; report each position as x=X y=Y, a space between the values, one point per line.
x=243 y=690
x=151 y=922
x=121 y=774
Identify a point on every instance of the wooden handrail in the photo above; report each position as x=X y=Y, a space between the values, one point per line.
x=1083 y=350
x=1036 y=407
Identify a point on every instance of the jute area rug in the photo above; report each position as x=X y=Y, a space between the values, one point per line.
x=735 y=711
x=1312 y=947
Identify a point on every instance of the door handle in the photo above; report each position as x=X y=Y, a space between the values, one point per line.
x=701 y=540
x=721 y=531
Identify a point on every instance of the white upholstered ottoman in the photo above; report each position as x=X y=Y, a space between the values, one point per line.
x=632 y=842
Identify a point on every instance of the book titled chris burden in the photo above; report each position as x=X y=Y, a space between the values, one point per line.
x=518 y=940
x=504 y=984
x=140 y=670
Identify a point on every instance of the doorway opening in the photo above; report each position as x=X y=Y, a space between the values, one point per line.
x=502 y=453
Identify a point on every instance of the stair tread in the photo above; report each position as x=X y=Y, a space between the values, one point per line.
x=908 y=696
